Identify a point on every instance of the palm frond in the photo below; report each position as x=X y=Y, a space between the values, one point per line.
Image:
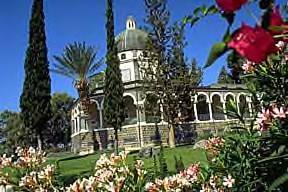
x=78 y=61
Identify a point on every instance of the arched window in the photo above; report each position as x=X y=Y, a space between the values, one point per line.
x=202 y=108
x=129 y=111
x=243 y=106
x=217 y=108
x=95 y=117
x=229 y=99
x=152 y=109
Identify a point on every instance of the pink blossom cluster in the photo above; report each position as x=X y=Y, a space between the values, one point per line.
x=28 y=161
x=213 y=145
x=218 y=184
x=5 y=161
x=178 y=182
x=248 y=66
x=267 y=116
x=111 y=174
x=29 y=157
x=39 y=180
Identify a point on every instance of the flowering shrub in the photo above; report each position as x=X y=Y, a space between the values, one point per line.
x=255 y=155
x=112 y=174
x=25 y=171
x=214 y=145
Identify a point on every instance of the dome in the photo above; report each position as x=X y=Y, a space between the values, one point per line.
x=132 y=38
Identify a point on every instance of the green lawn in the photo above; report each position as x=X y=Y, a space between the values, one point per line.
x=72 y=166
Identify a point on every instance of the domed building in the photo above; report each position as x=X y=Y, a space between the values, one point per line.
x=141 y=128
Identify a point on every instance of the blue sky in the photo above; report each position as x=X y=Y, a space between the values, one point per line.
x=84 y=20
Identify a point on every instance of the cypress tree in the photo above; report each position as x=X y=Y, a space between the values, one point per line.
x=35 y=99
x=113 y=88
x=196 y=73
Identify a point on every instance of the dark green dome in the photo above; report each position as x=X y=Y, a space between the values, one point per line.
x=132 y=38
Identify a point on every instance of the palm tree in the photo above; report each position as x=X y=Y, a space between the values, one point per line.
x=79 y=63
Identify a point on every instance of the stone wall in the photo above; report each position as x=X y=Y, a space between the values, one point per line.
x=135 y=137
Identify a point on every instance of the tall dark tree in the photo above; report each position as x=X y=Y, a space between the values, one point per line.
x=177 y=61
x=12 y=133
x=235 y=62
x=113 y=88
x=224 y=77
x=59 y=131
x=35 y=99
x=196 y=73
x=155 y=66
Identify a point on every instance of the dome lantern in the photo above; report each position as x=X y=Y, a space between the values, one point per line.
x=130 y=23
x=131 y=38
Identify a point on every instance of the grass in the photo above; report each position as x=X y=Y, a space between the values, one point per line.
x=73 y=166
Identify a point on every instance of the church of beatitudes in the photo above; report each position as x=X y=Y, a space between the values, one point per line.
x=138 y=131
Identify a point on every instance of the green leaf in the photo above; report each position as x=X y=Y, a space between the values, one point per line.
x=213 y=9
x=279 y=181
x=227 y=36
x=217 y=51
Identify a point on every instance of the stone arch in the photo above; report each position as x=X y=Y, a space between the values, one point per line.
x=240 y=94
x=216 y=93
x=97 y=103
x=229 y=94
x=202 y=93
x=132 y=96
x=95 y=122
x=217 y=107
x=203 y=107
x=130 y=110
x=228 y=98
x=243 y=105
x=152 y=108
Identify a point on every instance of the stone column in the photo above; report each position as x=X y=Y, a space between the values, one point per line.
x=101 y=118
x=210 y=110
x=140 y=108
x=162 y=112
x=238 y=105
x=195 y=111
x=224 y=110
x=78 y=123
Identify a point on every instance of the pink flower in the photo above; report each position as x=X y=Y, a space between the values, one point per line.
x=264 y=119
x=248 y=66
x=265 y=116
x=228 y=182
x=280 y=45
x=279 y=113
x=255 y=44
